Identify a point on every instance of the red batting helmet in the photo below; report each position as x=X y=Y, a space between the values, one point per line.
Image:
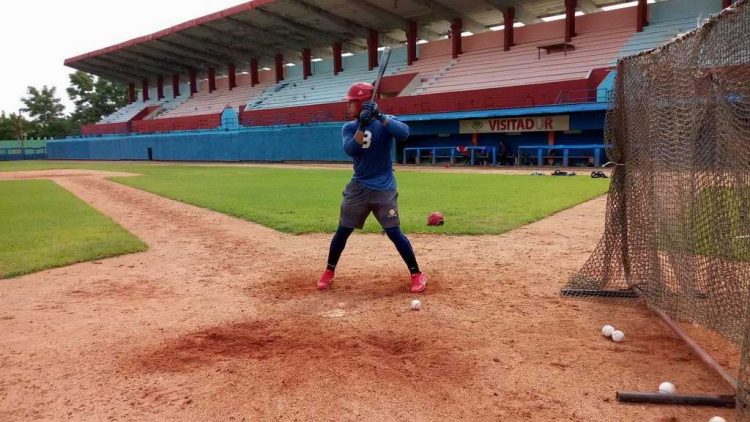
x=360 y=91
x=435 y=219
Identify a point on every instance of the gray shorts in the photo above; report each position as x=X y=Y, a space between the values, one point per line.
x=359 y=201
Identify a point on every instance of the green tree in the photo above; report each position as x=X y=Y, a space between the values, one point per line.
x=13 y=126
x=94 y=97
x=6 y=127
x=45 y=111
x=60 y=128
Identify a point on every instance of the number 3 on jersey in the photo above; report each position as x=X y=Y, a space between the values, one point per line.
x=367 y=140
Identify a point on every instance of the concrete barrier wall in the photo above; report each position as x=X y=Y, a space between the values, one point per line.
x=288 y=143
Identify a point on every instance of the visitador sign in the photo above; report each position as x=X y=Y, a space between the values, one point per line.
x=515 y=124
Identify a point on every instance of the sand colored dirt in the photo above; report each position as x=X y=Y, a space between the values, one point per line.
x=220 y=320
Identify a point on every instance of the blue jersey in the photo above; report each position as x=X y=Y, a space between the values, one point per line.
x=373 y=167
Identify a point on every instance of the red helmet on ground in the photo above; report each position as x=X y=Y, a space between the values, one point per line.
x=360 y=91
x=435 y=219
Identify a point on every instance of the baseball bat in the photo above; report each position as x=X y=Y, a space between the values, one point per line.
x=381 y=70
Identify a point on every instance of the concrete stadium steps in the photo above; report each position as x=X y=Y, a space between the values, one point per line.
x=267 y=93
x=170 y=105
x=215 y=102
x=429 y=67
x=656 y=34
x=316 y=89
x=126 y=113
x=427 y=80
x=666 y=21
x=321 y=88
x=493 y=67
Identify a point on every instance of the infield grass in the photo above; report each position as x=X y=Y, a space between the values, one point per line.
x=307 y=200
x=43 y=226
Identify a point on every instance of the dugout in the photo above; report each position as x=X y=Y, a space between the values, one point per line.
x=572 y=124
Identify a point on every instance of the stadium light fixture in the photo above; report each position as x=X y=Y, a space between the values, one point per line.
x=347 y=54
x=289 y=64
x=561 y=16
x=467 y=34
x=623 y=5
x=265 y=68
x=422 y=42
x=501 y=27
x=317 y=59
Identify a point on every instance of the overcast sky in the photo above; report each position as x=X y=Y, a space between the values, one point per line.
x=39 y=35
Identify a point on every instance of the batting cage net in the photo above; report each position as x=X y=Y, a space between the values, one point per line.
x=677 y=230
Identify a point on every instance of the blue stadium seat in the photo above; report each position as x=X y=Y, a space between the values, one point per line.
x=667 y=20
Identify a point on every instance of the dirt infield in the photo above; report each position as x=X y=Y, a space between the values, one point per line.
x=220 y=320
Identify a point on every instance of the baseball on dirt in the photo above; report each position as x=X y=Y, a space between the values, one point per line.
x=666 y=388
x=607 y=330
x=717 y=419
x=416 y=305
x=618 y=336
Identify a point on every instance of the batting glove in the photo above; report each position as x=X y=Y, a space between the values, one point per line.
x=365 y=118
x=374 y=109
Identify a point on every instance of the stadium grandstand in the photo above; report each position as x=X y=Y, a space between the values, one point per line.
x=265 y=80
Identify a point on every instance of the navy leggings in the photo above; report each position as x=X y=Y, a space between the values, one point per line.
x=403 y=246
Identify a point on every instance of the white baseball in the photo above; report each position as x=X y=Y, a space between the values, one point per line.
x=607 y=330
x=618 y=336
x=416 y=305
x=666 y=388
x=717 y=419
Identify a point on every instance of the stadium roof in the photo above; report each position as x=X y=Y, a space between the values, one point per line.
x=262 y=28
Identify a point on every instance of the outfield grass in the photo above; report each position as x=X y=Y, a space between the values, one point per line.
x=43 y=226
x=305 y=201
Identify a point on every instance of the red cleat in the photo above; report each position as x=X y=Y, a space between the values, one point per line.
x=325 y=279
x=418 y=282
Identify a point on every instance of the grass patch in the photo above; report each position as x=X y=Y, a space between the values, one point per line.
x=715 y=224
x=305 y=201
x=43 y=226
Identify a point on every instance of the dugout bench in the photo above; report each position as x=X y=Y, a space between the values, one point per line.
x=451 y=153
x=539 y=150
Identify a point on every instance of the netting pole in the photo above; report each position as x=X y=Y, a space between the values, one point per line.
x=702 y=354
x=675 y=399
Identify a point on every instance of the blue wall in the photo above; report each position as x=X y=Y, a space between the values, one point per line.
x=321 y=142
x=12 y=154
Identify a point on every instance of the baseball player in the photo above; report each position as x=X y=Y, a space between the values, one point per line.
x=368 y=140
